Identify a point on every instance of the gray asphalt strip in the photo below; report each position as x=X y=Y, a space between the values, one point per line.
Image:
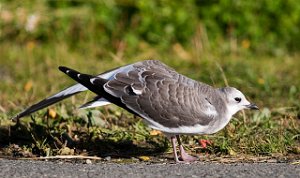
x=28 y=168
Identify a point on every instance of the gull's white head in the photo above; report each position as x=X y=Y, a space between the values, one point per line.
x=236 y=100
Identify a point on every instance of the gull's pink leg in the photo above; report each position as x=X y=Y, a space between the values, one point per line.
x=173 y=141
x=184 y=156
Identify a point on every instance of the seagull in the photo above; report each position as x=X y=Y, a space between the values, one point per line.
x=167 y=101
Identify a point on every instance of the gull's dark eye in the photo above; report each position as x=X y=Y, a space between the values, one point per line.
x=237 y=99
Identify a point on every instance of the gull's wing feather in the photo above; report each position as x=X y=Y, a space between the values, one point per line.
x=72 y=90
x=93 y=85
x=96 y=102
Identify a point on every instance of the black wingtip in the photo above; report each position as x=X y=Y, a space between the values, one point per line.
x=15 y=118
x=70 y=72
x=63 y=69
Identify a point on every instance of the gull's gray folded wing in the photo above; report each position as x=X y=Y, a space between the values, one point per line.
x=162 y=96
x=163 y=100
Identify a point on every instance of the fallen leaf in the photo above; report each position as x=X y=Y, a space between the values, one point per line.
x=204 y=143
x=144 y=158
x=52 y=113
x=296 y=163
x=66 y=151
x=232 y=152
x=28 y=86
x=155 y=132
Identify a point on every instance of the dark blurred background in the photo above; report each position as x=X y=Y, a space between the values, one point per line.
x=261 y=26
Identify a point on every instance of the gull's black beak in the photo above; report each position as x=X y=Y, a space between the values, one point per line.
x=252 y=106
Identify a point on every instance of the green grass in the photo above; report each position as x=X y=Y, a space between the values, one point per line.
x=28 y=73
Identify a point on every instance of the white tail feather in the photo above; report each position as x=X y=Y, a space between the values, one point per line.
x=97 y=103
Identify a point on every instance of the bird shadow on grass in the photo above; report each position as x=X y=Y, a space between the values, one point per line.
x=33 y=140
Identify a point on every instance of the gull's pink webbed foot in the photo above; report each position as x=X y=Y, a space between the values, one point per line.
x=184 y=157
